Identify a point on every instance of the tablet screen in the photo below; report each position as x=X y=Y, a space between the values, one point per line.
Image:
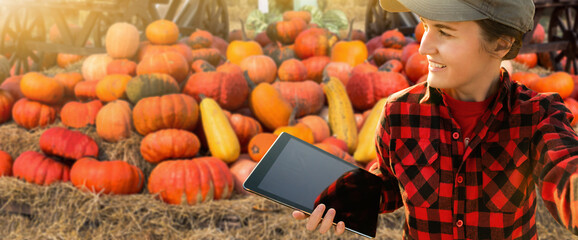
x=300 y=175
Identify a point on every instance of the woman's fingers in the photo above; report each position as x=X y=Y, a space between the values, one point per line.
x=299 y=215
x=327 y=222
x=340 y=228
x=315 y=217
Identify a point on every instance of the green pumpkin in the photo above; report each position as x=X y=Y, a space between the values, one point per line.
x=150 y=85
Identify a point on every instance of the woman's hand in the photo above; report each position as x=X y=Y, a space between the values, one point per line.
x=316 y=218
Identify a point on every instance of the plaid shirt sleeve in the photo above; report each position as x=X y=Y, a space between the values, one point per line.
x=391 y=198
x=556 y=151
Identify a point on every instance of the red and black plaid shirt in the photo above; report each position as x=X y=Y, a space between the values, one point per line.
x=484 y=189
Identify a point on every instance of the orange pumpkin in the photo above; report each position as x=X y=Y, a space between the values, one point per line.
x=5 y=164
x=169 y=144
x=339 y=70
x=112 y=87
x=178 y=111
x=228 y=89
x=122 y=40
x=417 y=65
x=39 y=169
x=64 y=60
x=260 y=68
x=162 y=32
x=200 y=39
x=530 y=60
x=318 y=125
x=31 y=114
x=67 y=144
x=408 y=50
x=418 y=31
x=35 y=86
x=239 y=50
x=114 y=121
x=108 y=177
x=269 y=106
x=211 y=55
x=292 y=70
x=85 y=90
x=201 y=65
x=526 y=78
x=245 y=128
x=6 y=103
x=393 y=39
x=171 y=63
x=314 y=42
x=315 y=66
x=351 y=52
x=69 y=81
x=558 y=82
x=121 y=66
x=298 y=130
x=392 y=65
x=307 y=96
x=286 y=31
x=259 y=144
x=78 y=115
x=240 y=170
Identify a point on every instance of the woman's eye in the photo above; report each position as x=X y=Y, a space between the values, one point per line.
x=444 y=33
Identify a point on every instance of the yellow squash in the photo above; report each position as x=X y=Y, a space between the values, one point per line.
x=340 y=116
x=366 y=151
x=221 y=138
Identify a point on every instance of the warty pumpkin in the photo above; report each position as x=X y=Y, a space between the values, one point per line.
x=166 y=144
x=306 y=96
x=108 y=177
x=178 y=111
x=191 y=181
x=34 y=167
x=230 y=90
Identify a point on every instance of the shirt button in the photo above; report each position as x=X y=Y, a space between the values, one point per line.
x=456 y=135
x=460 y=223
x=460 y=179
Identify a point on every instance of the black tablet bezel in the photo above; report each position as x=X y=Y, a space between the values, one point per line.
x=252 y=182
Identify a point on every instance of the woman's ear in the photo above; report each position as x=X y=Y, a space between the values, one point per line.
x=503 y=45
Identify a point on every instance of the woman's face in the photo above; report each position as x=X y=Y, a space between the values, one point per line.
x=457 y=59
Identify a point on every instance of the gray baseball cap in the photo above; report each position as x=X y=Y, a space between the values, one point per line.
x=518 y=14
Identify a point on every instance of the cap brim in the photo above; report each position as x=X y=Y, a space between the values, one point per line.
x=439 y=10
x=392 y=6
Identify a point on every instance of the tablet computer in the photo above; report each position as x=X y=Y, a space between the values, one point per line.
x=301 y=176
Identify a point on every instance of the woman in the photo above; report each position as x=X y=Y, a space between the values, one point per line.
x=465 y=151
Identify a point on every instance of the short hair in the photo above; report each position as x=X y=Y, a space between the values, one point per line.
x=492 y=31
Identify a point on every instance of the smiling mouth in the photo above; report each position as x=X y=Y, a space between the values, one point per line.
x=435 y=65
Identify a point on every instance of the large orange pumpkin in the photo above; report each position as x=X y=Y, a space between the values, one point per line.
x=315 y=66
x=178 y=111
x=108 y=177
x=286 y=31
x=6 y=103
x=351 y=52
x=417 y=65
x=35 y=86
x=77 y=115
x=558 y=82
x=68 y=144
x=31 y=114
x=171 y=63
x=36 y=168
x=169 y=144
x=307 y=96
x=314 y=42
x=162 y=32
x=200 y=39
x=239 y=50
x=230 y=90
x=260 y=68
x=191 y=181
x=122 y=40
x=5 y=164
x=114 y=121
x=85 y=90
x=292 y=70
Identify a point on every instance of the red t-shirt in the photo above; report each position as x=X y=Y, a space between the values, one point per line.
x=467 y=114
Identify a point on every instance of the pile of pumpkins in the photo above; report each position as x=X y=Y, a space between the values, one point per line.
x=208 y=109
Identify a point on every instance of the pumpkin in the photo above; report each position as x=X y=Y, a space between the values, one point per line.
x=392 y=65
x=263 y=39
x=191 y=181
x=201 y=65
x=304 y=15
x=31 y=114
x=260 y=68
x=122 y=40
x=338 y=70
x=298 y=130
x=364 y=90
x=239 y=50
x=314 y=42
x=260 y=144
x=5 y=164
x=94 y=67
x=220 y=44
x=228 y=89
x=169 y=144
x=210 y=55
x=34 y=167
x=318 y=125
x=12 y=85
x=35 y=86
x=150 y=85
x=279 y=53
x=558 y=82
x=351 y=52
x=292 y=70
x=240 y=170
x=572 y=105
x=418 y=31
x=6 y=103
x=86 y=90
x=373 y=44
x=417 y=65
x=184 y=50
x=200 y=39
x=77 y=115
x=392 y=39
x=333 y=140
x=162 y=32
x=64 y=60
x=114 y=122
x=121 y=66
x=407 y=51
x=229 y=67
x=526 y=78
x=530 y=60
x=112 y=87
x=171 y=63
x=108 y=177
x=315 y=66
x=68 y=80
x=68 y=144
x=147 y=48
x=286 y=31
x=178 y=111
x=306 y=96
x=245 y=128
x=269 y=106
x=382 y=55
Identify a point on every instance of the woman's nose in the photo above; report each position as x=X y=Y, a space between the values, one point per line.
x=427 y=46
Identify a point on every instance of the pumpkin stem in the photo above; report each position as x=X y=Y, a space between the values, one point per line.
x=250 y=82
x=292 y=117
x=326 y=79
x=202 y=96
x=350 y=33
x=243 y=33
